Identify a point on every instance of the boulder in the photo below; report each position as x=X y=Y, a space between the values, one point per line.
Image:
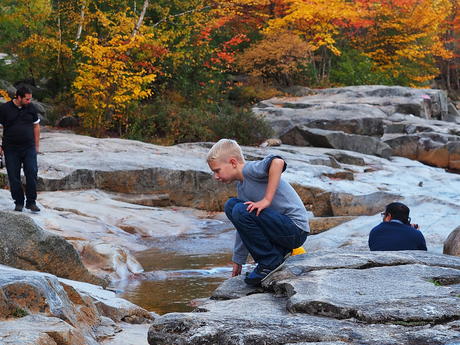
x=305 y=136
x=354 y=205
x=452 y=243
x=335 y=297
x=41 y=330
x=38 y=308
x=430 y=148
x=283 y=115
x=25 y=245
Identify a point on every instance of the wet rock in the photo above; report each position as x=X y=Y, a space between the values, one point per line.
x=29 y=295
x=305 y=136
x=452 y=243
x=25 y=245
x=109 y=305
x=38 y=308
x=41 y=330
x=233 y=288
x=106 y=258
x=283 y=318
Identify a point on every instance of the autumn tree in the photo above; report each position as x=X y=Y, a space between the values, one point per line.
x=320 y=24
x=111 y=77
x=404 y=38
x=278 y=58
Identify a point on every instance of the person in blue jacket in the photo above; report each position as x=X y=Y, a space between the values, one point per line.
x=396 y=232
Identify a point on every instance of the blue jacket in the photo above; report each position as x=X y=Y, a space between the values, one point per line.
x=395 y=235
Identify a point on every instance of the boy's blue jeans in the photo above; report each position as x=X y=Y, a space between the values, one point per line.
x=268 y=236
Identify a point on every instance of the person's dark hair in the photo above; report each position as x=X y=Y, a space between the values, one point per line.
x=22 y=91
x=398 y=211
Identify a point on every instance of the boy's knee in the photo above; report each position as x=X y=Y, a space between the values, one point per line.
x=229 y=204
x=240 y=212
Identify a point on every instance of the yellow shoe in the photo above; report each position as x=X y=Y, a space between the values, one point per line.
x=297 y=251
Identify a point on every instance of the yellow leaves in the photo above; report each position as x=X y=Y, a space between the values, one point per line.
x=406 y=36
x=318 y=21
x=110 y=78
x=278 y=57
x=5 y=95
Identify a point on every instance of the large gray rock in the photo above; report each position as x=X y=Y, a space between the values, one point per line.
x=363 y=114
x=430 y=148
x=452 y=243
x=330 y=298
x=38 y=308
x=406 y=293
x=305 y=136
x=25 y=245
x=358 y=119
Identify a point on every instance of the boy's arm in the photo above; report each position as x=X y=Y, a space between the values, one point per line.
x=274 y=176
x=240 y=255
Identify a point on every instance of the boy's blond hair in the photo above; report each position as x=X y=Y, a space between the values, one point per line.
x=225 y=148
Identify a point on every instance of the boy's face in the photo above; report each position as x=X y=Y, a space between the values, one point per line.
x=225 y=170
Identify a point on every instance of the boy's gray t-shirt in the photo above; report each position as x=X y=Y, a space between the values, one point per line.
x=286 y=200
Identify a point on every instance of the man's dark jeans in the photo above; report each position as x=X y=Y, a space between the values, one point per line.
x=268 y=236
x=15 y=158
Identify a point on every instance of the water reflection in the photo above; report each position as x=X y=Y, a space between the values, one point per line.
x=173 y=280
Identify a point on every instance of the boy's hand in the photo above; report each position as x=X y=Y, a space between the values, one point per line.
x=259 y=205
x=236 y=269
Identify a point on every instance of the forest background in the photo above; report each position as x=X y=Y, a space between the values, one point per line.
x=171 y=71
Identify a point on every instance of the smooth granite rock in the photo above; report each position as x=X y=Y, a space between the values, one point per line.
x=25 y=245
x=452 y=243
x=335 y=297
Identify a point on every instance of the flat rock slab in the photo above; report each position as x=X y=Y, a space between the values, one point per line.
x=389 y=298
x=408 y=293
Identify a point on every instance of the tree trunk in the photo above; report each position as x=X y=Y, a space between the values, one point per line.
x=82 y=20
x=141 y=18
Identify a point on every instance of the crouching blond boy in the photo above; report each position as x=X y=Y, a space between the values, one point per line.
x=268 y=214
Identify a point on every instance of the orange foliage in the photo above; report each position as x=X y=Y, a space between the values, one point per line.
x=279 y=57
x=405 y=33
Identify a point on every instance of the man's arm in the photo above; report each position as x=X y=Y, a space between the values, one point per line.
x=37 y=137
x=274 y=176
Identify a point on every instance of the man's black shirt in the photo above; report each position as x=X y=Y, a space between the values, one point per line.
x=18 y=125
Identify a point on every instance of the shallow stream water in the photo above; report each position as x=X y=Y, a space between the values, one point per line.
x=181 y=270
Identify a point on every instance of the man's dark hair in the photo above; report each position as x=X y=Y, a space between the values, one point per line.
x=398 y=211
x=22 y=91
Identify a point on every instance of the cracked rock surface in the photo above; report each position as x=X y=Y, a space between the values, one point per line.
x=331 y=298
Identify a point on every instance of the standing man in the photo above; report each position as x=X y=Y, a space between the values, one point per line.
x=21 y=142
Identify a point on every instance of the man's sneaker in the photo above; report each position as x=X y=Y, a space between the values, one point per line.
x=18 y=207
x=259 y=274
x=33 y=207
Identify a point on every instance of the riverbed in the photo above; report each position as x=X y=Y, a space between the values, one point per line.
x=180 y=270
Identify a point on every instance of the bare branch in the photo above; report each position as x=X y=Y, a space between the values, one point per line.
x=141 y=18
x=180 y=14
